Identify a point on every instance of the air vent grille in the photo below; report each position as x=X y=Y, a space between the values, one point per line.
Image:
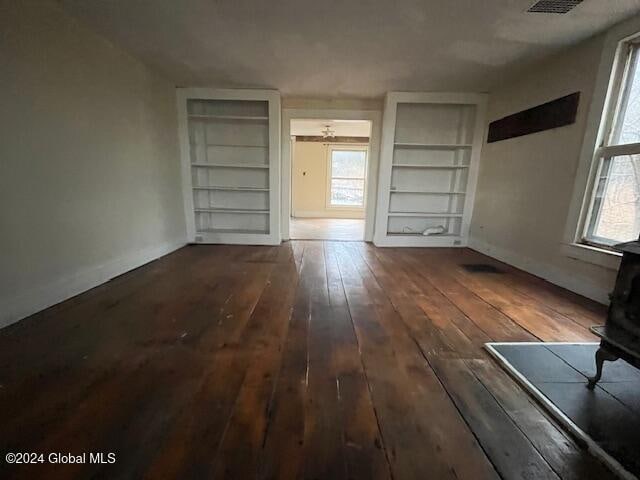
x=553 y=6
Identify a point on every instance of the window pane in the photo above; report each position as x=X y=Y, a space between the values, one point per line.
x=347 y=192
x=348 y=163
x=616 y=208
x=626 y=128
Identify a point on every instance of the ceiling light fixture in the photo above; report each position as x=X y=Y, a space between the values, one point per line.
x=327 y=132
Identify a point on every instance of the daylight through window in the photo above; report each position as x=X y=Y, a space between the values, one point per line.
x=615 y=207
x=348 y=171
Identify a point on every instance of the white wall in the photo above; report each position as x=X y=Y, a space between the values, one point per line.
x=89 y=170
x=525 y=184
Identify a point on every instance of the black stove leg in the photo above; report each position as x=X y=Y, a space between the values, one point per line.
x=602 y=355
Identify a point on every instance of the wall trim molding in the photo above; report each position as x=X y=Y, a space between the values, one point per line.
x=546 y=271
x=21 y=305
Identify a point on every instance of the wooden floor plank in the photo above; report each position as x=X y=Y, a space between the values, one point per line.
x=435 y=307
x=241 y=447
x=324 y=452
x=489 y=319
x=282 y=452
x=365 y=454
x=568 y=460
x=318 y=360
x=442 y=312
x=512 y=453
x=535 y=317
x=233 y=327
x=91 y=336
x=437 y=431
x=581 y=310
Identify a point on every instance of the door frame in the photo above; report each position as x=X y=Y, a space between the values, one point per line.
x=374 y=116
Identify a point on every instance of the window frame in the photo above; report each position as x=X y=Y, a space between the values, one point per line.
x=629 y=51
x=602 y=108
x=341 y=147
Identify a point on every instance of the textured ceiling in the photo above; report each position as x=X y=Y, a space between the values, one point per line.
x=333 y=48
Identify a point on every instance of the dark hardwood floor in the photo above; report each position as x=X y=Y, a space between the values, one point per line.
x=315 y=360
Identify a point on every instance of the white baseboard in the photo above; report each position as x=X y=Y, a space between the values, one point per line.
x=543 y=270
x=426 y=241
x=18 y=306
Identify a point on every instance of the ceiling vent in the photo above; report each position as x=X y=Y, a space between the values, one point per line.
x=553 y=6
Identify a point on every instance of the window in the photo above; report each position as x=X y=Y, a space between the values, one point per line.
x=614 y=213
x=347 y=173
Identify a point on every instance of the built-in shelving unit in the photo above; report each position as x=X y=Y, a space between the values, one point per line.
x=428 y=169
x=230 y=150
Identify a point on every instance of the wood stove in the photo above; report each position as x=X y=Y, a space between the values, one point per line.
x=620 y=335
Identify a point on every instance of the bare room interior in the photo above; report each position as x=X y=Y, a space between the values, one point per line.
x=320 y=240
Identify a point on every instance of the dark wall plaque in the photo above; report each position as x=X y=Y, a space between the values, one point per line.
x=553 y=114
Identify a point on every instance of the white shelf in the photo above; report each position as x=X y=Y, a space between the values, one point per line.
x=433 y=146
x=228 y=117
x=232 y=189
x=224 y=165
x=425 y=214
x=230 y=210
x=425 y=192
x=440 y=167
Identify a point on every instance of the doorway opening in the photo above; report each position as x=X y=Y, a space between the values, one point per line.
x=329 y=179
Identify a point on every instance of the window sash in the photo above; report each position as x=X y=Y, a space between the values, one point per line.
x=333 y=177
x=611 y=148
x=601 y=184
x=599 y=193
x=629 y=70
x=354 y=177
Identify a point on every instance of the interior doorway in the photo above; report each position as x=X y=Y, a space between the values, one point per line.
x=329 y=178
